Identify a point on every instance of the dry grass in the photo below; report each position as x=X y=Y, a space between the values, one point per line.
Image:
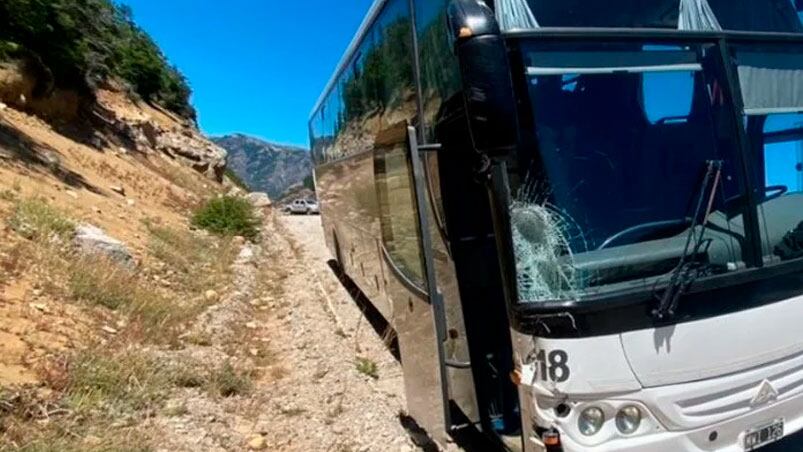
x=55 y=439
x=155 y=316
x=99 y=388
x=100 y=393
x=8 y=195
x=117 y=383
x=227 y=381
x=12 y=262
x=198 y=262
x=35 y=219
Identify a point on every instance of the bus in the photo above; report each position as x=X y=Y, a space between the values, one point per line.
x=582 y=219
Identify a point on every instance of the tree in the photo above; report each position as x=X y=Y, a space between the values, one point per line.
x=83 y=42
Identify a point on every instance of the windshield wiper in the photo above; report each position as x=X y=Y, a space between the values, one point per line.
x=684 y=275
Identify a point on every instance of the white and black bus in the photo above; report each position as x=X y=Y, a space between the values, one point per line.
x=582 y=218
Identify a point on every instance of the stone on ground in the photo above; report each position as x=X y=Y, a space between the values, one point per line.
x=94 y=241
x=259 y=200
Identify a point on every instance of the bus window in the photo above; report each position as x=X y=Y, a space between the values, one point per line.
x=440 y=76
x=668 y=96
x=758 y=15
x=615 y=13
x=399 y=215
x=773 y=105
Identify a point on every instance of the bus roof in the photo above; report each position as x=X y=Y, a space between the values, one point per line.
x=373 y=12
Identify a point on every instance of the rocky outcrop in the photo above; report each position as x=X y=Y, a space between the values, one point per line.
x=259 y=200
x=182 y=143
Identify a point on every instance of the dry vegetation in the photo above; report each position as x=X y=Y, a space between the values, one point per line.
x=93 y=397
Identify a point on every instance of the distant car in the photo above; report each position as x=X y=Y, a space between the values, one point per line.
x=303 y=207
x=314 y=208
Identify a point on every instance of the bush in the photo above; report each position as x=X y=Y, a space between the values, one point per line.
x=228 y=216
x=76 y=44
x=367 y=367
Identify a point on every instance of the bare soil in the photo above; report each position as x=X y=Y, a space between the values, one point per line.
x=310 y=391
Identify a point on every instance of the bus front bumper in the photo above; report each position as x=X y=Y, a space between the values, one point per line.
x=726 y=436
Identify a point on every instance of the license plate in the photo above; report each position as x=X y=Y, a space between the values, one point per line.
x=761 y=436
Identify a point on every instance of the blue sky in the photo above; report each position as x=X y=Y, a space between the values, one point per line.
x=255 y=66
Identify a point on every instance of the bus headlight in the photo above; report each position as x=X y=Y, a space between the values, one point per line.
x=628 y=419
x=590 y=421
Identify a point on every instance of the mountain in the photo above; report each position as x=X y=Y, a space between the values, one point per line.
x=266 y=166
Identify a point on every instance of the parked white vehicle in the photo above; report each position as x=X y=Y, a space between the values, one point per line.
x=303 y=207
x=314 y=207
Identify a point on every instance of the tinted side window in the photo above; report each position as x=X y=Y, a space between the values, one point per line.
x=316 y=137
x=397 y=204
x=440 y=76
x=376 y=88
x=610 y=13
x=757 y=15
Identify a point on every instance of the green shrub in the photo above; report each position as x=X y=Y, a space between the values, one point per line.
x=228 y=216
x=76 y=44
x=367 y=367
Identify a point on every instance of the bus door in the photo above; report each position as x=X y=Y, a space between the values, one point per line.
x=417 y=309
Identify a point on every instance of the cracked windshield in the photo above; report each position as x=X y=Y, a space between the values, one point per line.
x=636 y=169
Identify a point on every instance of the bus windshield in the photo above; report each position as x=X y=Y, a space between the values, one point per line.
x=631 y=156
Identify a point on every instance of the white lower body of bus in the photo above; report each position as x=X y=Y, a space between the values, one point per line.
x=728 y=383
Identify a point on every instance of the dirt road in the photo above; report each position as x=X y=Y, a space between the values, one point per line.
x=324 y=379
x=332 y=398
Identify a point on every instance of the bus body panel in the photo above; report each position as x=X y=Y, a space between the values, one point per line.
x=350 y=216
x=717 y=346
x=680 y=415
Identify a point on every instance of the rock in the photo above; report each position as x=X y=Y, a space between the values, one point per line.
x=39 y=306
x=210 y=295
x=108 y=329
x=92 y=240
x=72 y=194
x=130 y=202
x=257 y=443
x=251 y=325
x=2 y=106
x=175 y=408
x=188 y=146
x=52 y=159
x=92 y=441
x=246 y=256
x=259 y=200
x=119 y=189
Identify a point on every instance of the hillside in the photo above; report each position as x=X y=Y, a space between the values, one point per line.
x=75 y=47
x=265 y=166
x=146 y=302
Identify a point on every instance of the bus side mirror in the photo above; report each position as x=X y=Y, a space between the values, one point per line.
x=487 y=84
